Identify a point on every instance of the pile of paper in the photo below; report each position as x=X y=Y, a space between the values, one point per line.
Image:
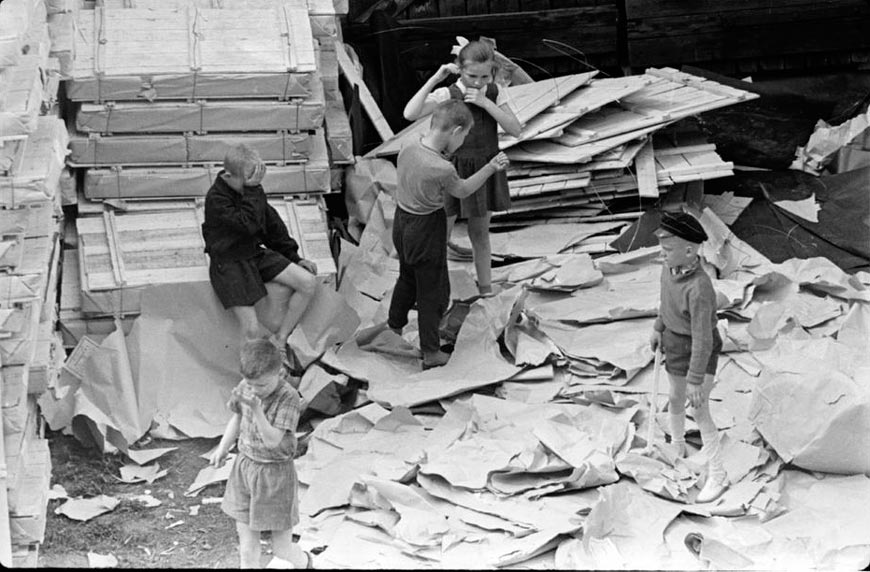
x=588 y=141
x=553 y=470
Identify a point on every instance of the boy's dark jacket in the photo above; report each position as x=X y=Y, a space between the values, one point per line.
x=237 y=224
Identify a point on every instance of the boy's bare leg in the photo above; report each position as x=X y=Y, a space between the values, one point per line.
x=677 y=412
x=303 y=285
x=271 y=308
x=284 y=548
x=251 y=328
x=249 y=546
x=478 y=232
x=451 y=222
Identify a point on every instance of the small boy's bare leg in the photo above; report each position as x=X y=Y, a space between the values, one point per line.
x=478 y=232
x=249 y=546
x=284 y=548
x=451 y=222
x=251 y=328
x=717 y=477
x=303 y=284
x=677 y=412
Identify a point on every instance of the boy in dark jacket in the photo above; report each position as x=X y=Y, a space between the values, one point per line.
x=249 y=247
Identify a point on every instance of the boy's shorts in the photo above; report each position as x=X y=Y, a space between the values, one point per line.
x=262 y=495
x=242 y=282
x=678 y=351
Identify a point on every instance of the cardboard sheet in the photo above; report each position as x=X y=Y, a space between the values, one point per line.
x=476 y=362
x=86 y=509
x=329 y=320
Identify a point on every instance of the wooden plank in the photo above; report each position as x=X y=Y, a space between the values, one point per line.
x=349 y=70
x=645 y=166
x=585 y=99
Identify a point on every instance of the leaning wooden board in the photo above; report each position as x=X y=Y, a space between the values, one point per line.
x=190 y=53
x=188 y=149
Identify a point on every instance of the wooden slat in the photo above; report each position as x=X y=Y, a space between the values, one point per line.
x=306 y=221
x=645 y=167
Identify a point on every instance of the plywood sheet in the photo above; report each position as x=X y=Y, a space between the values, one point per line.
x=189 y=149
x=200 y=117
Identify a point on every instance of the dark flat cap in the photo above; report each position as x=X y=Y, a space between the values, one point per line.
x=683 y=225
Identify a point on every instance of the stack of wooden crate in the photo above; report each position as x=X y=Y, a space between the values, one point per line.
x=33 y=142
x=161 y=91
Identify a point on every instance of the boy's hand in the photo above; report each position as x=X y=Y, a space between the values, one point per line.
x=257 y=176
x=695 y=394
x=476 y=96
x=308 y=265
x=500 y=162
x=446 y=71
x=217 y=457
x=655 y=340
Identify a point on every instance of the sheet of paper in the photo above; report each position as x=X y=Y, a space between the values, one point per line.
x=142 y=474
x=210 y=475
x=145 y=456
x=807 y=209
x=86 y=509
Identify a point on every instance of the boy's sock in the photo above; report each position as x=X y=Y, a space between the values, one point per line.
x=713 y=450
x=678 y=430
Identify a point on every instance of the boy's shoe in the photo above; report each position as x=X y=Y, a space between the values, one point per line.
x=712 y=490
x=436 y=359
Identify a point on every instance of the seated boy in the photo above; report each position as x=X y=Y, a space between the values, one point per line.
x=686 y=331
x=249 y=248
x=425 y=177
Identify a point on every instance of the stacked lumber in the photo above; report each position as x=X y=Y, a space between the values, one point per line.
x=33 y=142
x=589 y=143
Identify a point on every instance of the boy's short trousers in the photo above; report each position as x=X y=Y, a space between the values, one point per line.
x=242 y=282
x=262 y=495
x=678 y=351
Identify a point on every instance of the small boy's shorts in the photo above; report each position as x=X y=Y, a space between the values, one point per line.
x=678 y=351
x=262 y=495
x=242 y=282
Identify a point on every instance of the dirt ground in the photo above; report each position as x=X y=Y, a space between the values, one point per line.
x=138 y=537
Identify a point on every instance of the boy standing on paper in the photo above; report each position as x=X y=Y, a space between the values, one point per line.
x=261 y=491
x=686 y=331
x=426 y=178
x=248 y=246
x=476 y=68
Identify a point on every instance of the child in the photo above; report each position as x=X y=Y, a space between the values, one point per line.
x=425 y=179
x=249 y=247
x=476 y=63
x=261 y=492
x=686 y=331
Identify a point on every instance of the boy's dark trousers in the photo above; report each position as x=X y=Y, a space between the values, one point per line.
x=421 y=243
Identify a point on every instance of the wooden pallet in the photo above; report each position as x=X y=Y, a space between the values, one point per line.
x=202 y=52
x=188 y=149
x=31 y=167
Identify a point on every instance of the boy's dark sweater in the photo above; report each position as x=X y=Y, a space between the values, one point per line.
x=237 y=225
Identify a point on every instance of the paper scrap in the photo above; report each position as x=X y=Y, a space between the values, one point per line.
x=102 y=560
x=145 y=456
x=807 y=209
x=210 y=475
x=137 y=474
x=57 y=492
x=85 y=509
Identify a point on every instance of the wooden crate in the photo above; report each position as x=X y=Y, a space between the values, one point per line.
x=30 y=168
x=28 y=500
x=202 y=52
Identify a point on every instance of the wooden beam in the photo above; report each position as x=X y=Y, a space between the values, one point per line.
x=368 y=102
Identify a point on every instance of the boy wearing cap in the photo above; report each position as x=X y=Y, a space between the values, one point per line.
x=685 y=329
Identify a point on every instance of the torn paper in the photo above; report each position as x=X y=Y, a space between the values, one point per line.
x=86 y=509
